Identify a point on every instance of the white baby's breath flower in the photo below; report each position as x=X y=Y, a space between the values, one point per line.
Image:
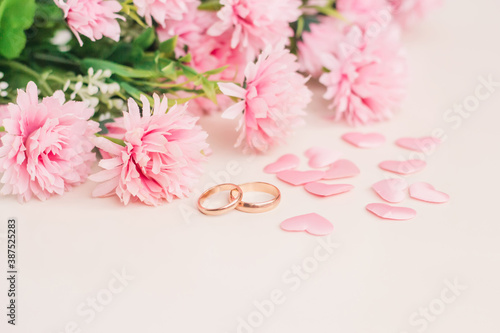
x=105 y=116
x=118 y=103
x=94 y=90
x=3 y=86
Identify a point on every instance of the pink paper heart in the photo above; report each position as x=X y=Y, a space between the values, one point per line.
x=320 y=157
x=312 y=223
x=426 y=143
x=426 y=192
x=295 y=177
x=326 y=190
x=391 y=190
x=388 y=212
x=341 y=169
x=285 y=162
x=361 y=140
x=403 y=167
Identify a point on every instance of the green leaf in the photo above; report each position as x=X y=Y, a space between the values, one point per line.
x=117 y=69
x=132 y=91
x=214 y=5
x=174 y=101
x=186 y=58
x=170 y=71
x=145 y=39
x=215 y=71
x=15 y=17
x=135 y=93
x=209 y=89
x=125 y=53
x=117 y=141
x=308 y=21
x=168 y=47
x=102 y=126
x=128 y=9
x=328 y=11
x=300 y=27
x=189 y=72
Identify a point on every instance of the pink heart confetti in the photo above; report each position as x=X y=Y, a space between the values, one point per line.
x=403 y=167
x=341 y=169
x=285 y=162
x=320 y=157
x=388 y=212
x=312 y=223
x=295 y=177
x=361 y=140
x=326 y=190
x=421 y=145
x=426 y=192
x=391 y=190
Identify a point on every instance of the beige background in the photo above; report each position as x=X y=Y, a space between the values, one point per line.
x=193 y=273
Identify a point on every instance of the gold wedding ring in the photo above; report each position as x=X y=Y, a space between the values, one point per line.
x=258 y=207
x=236 y=195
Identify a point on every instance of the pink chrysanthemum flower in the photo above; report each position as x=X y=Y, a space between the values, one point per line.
x=47 y=146
x=273 y=101
x=254 y=24
x=163 y=10
x=323 y=38
x=92 y=18
x=191 y=30
x=367 y=76
x=207 y=52
x=162 y=156
x=408 y=12
x=357 y=11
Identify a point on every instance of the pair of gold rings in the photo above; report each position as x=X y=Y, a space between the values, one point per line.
x=236 y=196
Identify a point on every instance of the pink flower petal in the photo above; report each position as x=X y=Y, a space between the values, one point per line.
x=341 y=169
x=285 y=162
x=232 y=89
x=105 y=175
x=234 y=111
x=320 y=157
x=426 y=192
x=391 y=190
x=390 y=212
x=106 y=188
x=326 y=190
x=424 y=144
x=297 y=178
x=403 y=167
x=108 y=146
x=313 y=224
x=360 y=140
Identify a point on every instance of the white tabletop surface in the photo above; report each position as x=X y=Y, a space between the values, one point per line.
x=192 y=273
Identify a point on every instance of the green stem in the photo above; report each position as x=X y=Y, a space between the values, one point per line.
x=56 y=79
x=46 y=89
x=2 y=129
x=55 y=59
x=114 y=140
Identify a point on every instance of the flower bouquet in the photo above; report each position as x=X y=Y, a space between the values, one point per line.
x=128 y=80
